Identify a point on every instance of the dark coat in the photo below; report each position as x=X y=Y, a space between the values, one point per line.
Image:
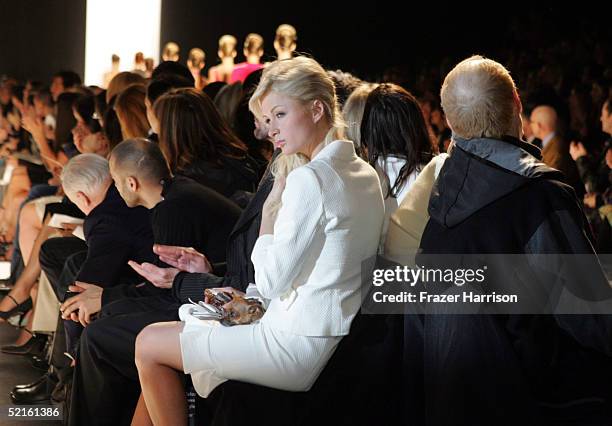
x=115 y=234
x=495 y=197
x=233 y=178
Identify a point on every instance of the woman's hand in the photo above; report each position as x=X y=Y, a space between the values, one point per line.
x=184 y=258
x=34 y=125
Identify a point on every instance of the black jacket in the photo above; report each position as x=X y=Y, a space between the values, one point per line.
x=115 y=234
x=190 y=215
x=497 y=197
x=240 y=271
x=232 y=178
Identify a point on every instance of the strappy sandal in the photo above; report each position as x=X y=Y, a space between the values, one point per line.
x=19 y=309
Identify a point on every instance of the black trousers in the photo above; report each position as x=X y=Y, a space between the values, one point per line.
x=105 y=382
x=54 y=254
x=58 y=258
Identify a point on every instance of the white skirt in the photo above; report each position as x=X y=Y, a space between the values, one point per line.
x=253 y=353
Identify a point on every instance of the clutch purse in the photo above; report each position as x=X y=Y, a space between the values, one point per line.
x=228 y=308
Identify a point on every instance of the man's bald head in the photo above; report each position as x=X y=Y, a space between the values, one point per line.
x=543 y=121
x=140 y=158
x=480 y=99
x=138 y=168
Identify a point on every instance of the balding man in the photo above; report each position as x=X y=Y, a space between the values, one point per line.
x=494 y=196
x=555 y=149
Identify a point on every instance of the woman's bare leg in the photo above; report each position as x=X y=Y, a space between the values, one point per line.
x=29 y=228
x=159 y=362
x=30 y=274
x=16 y=193
x=141 y=415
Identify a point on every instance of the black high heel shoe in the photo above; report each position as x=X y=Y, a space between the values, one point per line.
x=19 y=309
x=34 y=346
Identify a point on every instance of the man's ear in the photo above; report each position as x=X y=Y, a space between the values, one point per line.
x=318 y=110
x=133 y=183
x=84 y=198
x=517 y=102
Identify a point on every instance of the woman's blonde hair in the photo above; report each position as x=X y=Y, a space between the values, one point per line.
x=353 y=111
x=227 y=45
x=305 y=81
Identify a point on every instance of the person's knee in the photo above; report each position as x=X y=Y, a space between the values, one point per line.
x=28 y=214
x=146 y=342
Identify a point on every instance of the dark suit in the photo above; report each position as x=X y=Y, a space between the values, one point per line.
x=114 y=234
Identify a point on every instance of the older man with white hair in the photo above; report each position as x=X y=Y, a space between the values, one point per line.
x=495 y=196
x=115 y=234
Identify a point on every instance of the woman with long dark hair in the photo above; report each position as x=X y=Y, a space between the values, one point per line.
x=197 y=142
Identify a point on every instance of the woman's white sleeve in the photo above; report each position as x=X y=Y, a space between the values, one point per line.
x=278 y=258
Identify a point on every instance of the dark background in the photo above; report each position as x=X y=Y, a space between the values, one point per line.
x=38 y=38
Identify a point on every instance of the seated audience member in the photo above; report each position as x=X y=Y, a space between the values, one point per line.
x=132 y=112
x=199 y=144
x=345 y=84
x=122 y=81
x=157 y=87
x=172 y=68
x=64 y=81
x=114 y=234
x=227 y=101
x=396 y=142
x=493 y=196
x=296 y=99
x=253 y=51
x=555 y=149
x=184 y=213
x=595 y=173
x=246 y=125
x=353 y=113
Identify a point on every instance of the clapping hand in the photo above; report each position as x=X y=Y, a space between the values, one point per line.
x=577 y=150
x=184 y=258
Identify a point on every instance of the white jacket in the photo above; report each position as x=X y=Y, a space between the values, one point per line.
x=329 y=223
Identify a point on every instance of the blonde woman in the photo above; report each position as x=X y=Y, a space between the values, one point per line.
x=314 y=236
x=353 y=112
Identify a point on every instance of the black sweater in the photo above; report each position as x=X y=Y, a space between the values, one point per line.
x=190 y=215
